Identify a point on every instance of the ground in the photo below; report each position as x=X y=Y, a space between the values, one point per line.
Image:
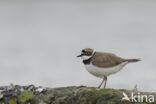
x=15 y=94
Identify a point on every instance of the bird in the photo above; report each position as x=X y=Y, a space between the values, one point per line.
x=103 y=64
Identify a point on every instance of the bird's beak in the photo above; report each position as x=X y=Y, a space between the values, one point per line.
x=80 y=55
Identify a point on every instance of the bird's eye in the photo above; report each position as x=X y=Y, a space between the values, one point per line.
x=87 y=53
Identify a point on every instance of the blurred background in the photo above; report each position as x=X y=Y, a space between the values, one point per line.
x=40 y=39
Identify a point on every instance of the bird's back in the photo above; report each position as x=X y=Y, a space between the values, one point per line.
x=103 y=59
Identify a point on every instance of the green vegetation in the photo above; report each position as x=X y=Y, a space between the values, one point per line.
x=26 y=96
x=1 y=95
x=95 y=96
x=74 y=95
x=12 y=102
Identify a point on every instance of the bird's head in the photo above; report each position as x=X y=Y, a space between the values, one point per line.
x=86 y=53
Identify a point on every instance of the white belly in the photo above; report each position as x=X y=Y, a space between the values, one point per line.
x=101 y=72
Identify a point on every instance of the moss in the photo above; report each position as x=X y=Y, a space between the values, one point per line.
x=1 y=95
x=95 y=96
x=26 y=96
x=73 y=95
x=12 y=102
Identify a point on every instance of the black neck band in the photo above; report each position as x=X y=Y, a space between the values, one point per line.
x=88 y=60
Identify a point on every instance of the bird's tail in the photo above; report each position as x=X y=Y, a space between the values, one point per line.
x=132 y=60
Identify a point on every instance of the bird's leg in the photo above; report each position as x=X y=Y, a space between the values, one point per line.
x=101 y=83
x=105 y=78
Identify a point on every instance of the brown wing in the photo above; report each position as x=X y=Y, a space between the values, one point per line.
x=102 y=59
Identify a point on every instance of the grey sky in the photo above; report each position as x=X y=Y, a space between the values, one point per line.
x=39 y=41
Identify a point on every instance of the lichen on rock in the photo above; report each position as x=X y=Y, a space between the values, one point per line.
x=64 y=95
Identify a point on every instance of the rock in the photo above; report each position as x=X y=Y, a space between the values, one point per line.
x=69 y=95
